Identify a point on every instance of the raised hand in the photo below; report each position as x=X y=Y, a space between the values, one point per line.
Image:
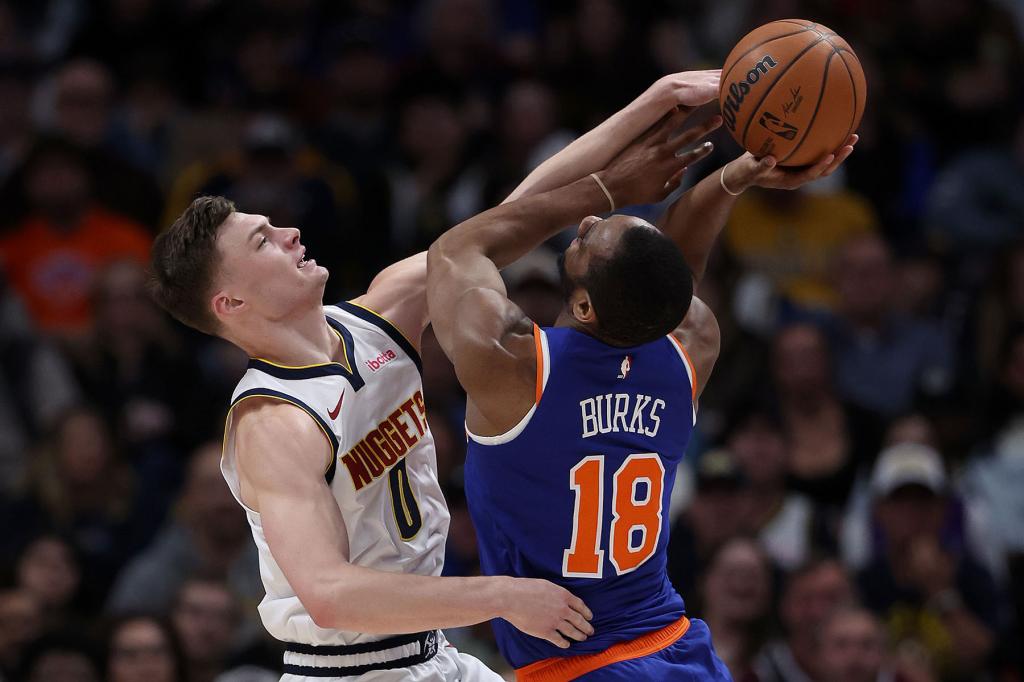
x=687 y=88
x=547 y=611
x=748 y=171
x=650 y=168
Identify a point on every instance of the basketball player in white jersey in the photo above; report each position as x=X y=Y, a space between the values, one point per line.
x=327 y=446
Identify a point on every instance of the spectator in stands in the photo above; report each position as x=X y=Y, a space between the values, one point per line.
x=972 y=520
x=36 y=387
x=52 y=256
x=528 y=133
x=48 y=570
x=828 y=439
x=809 y=595
x=206 y=619
x=143 y=649
x=133 y=363
x=83 y=112
x=21 y=622
x=358 y=84
x=928 y=591
x=994 y=477
x=853 y=649
x=883 y=359
x=431 y=185
x=80 y=487
x=209 y=535
x=67 y=656
x=781 y=521
x=792 y=238
x=975 y=203
x=714 y=516
x=737 y=604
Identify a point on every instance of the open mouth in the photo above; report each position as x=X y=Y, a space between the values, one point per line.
x=302 y=260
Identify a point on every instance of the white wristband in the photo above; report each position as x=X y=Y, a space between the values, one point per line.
x=721 y=181
x=611 y=202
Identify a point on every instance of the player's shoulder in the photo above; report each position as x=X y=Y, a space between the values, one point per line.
x=277 y=434
x=269 y=416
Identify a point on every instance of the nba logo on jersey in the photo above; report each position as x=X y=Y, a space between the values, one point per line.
x=624 y=368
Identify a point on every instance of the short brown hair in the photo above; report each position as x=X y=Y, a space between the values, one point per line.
x=183 y=260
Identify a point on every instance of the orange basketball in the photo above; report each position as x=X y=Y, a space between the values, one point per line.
x=793 y=89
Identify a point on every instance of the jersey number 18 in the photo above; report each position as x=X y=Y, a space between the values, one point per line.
x=637 y=487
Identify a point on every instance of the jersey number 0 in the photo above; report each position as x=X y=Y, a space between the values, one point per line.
x=636 y=515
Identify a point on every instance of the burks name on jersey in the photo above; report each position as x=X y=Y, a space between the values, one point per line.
x=625 y=412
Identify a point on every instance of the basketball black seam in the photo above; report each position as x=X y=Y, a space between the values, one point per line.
x=853 y=87
x=817 y=107
x=725 y=76
x=746 y=129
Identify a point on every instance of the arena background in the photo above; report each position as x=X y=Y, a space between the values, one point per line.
x=880 y=312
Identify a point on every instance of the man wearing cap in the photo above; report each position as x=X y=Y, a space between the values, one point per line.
x=714 y=516
x=928 y=590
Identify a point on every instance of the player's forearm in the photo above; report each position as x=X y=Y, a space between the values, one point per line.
x=375 y=602
x=507 y=232
x=595 y=149
x=696 y=219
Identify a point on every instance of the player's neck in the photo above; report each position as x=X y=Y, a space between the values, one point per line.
x=565 y=319
x=300 y=340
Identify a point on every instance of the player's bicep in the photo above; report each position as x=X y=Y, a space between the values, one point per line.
x=399 y=293
x=701 y=337
x=281 y=452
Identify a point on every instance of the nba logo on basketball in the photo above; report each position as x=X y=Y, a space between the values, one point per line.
x=384 y=358
x=624 y=368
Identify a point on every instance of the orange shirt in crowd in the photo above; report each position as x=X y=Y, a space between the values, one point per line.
x=53 y=270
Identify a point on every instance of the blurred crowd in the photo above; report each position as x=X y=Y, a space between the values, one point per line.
x=851 y=509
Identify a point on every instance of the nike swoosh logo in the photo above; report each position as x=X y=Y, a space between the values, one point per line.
x=337 y=408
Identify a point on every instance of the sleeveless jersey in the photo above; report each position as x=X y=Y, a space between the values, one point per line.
x=382 y=470
x=578 y=492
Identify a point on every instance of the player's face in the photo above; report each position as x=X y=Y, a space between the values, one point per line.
x=264 y=269
x=595 y=239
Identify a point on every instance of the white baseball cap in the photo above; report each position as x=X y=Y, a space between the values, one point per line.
x=908 y=464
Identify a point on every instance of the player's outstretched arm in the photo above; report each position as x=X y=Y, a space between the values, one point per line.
x=282 y=455
x=399 y=291
x=696 y=219
x=482 y=332
x=594 y=150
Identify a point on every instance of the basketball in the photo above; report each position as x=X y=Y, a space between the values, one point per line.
x=793 y=89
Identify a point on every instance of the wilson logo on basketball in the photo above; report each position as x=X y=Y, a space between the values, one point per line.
x=384 y=358
x=739 y=90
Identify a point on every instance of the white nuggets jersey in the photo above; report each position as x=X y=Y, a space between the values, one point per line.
x=382 y=471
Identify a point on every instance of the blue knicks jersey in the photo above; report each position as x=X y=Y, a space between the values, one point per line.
x=578 y=492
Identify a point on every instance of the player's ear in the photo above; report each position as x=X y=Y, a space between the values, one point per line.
x=581 y=307
x=225 y=306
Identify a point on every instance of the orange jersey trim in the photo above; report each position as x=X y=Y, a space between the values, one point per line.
x=540 y=363
x=689 y=363
x=562 y=669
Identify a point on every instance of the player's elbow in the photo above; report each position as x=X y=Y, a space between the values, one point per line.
x=323 y=611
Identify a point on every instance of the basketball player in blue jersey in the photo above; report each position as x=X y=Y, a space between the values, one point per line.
x=327 y=447
x=575 y=431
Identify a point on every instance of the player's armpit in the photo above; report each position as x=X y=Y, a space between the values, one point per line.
x=700 y=335
x=399 y=294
